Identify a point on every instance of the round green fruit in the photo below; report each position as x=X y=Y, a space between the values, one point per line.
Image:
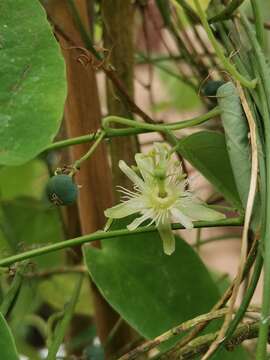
x=210 y=87
x=61 y=190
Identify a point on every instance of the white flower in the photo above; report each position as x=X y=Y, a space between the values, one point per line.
x=160 y=196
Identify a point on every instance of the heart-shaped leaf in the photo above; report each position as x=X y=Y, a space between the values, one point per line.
x=151 y=290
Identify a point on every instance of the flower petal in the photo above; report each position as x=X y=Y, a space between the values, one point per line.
x=145 y=165
x=181 y=218
x=123 y=209
x=138 y=221
x=131 y=174
x=199 y=211
x=167 y=237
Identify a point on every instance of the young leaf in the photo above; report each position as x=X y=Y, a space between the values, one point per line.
x=206 y=151
x=150 y=290
x=32 y=88
x=7 y=343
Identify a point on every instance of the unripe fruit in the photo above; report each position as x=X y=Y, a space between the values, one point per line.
x=210 y=87
x=61 y=190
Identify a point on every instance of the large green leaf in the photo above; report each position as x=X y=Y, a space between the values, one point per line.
x=151 y=290
x=206 y=151
x=7 y=344
x=32 y=87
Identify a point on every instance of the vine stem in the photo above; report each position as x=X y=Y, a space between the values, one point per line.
x=102 y=235
x=228 y=66
x=133 y=129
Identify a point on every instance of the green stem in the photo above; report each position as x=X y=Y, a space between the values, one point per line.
x=137 y=128
x=258 y=22
x=158 y=127
x=86 y=156
x=228 y=66
x=227 y=12
x=101 y=235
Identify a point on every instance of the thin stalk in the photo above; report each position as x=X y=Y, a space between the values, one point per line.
x=86 y=156
x=102 y=235
x=228 y=66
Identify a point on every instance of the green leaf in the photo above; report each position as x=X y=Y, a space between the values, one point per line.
x=150 y=290
x=236 y=135
x=32 y=87
x=207 y=152
x=7 y=343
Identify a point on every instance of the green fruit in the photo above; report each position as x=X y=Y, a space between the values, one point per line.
x=61 y=190
x=210 y=88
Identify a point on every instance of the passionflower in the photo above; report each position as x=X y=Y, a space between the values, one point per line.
x=160 y=196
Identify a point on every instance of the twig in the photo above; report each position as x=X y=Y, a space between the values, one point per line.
x=177 y=330
x=200 y=345
x=225 y=297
